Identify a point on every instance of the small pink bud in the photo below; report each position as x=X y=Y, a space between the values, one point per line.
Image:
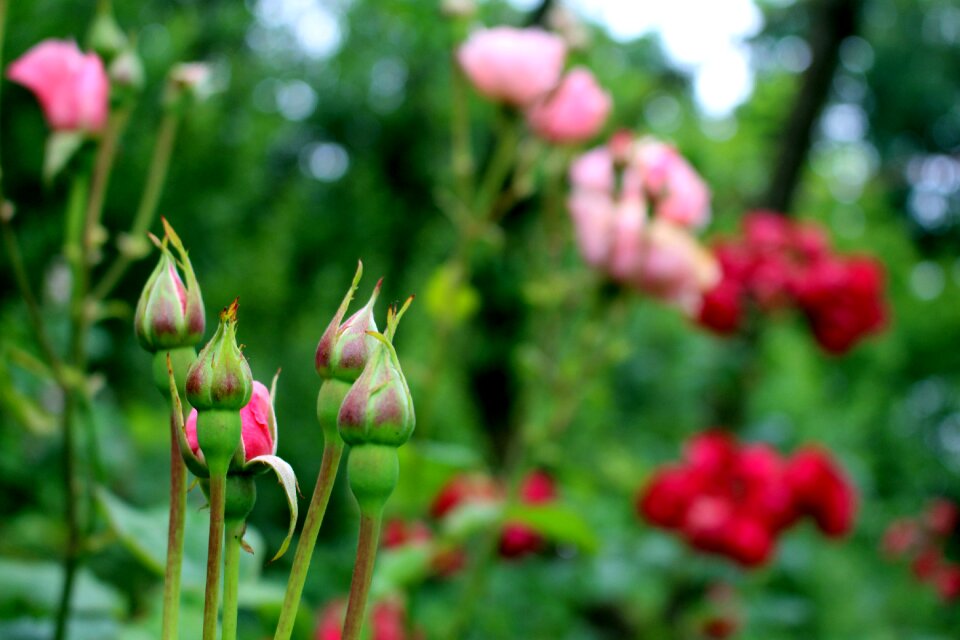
x=72 y=87
x=675 y=190
x=344 y=348
x=515 y=66
x=575 y=112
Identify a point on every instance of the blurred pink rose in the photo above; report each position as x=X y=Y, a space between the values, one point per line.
x=674 y=267
x=574 y=112
x=72 y=87
x=259 y=426
x=516 y=66
x=675 y=190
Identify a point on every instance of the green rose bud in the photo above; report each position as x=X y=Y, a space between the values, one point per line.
x=344 y=349
x=170 y=313
x=220 y=379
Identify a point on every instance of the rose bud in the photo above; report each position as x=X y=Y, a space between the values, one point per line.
x=170 y=313
x=376 y=418
x=947 y=583
x=749 y=542
x=105 y=36
x=219 y=385
x=574 y=112
x=344 y=349
x=72 y=87
x=901 y=537
x=666 y=498
x=708 y=522
x=515 y=66
x=378 y=408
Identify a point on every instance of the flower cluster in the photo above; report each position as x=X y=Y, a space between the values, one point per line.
x=778 y=263
x=516 y=539
x=523 y=68
x=445 y=560
x=735 y=499
x=634 y=203
x=921 y=540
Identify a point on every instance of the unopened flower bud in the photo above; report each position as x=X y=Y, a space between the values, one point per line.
x=126 y=70
x=344 y=348
x=378 y=409
x=188 y=82
x=105 y=36
x=220 y=379
x=170 y=313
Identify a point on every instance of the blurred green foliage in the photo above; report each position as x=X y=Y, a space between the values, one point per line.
x=301 y=165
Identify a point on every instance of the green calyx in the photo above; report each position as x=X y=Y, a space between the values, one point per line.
x=345 y=346
x=329 y=399
x=221 y=378
x=373 y=471
x=170 y=312
x=379 y=408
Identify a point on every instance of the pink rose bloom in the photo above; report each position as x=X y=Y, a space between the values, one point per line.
x=72 y=87
x=516 y=66
x=259 y=426
x=574 y=112
x=674 y=267
x=675 y=190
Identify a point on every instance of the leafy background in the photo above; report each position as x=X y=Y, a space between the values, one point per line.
x=302 y=165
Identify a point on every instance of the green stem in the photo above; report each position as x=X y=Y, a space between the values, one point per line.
x=211 y=600
x=499 y=167
x=72 y=497
x=103 y=167
x=146 y=211
x=332 y=452
x=178 y=505
x=231 y=576
x=362 y=573
x=462 y=153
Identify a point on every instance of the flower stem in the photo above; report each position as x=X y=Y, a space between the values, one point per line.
x=211 y=602
x=332 y=452
x=146 y=211
x=362 y=573
x=231 y=576
x=73 y=496
x=178 y=504
x=103 y=167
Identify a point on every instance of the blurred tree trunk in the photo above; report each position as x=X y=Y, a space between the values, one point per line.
x=831 y=22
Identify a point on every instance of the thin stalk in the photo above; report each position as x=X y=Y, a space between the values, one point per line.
x=332 y=452
x=231 y=576
x=461 y=151
x=147 y=209
x=499 y=167
x=178 y=505
x=103 y=167
x=73 y=495
x=211 y=602
x=362 y=574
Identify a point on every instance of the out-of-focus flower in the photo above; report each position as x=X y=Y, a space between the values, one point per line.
x=676 y=192
x=517 y=539
x=515 y=66
x=735 y=500
x=463 y=489
x=574 y=112
x=941 y=517
x=921 y=540
x=72 y=87
x=901 y=537
x=632 y=203
x=778 y=263
x=387 y=621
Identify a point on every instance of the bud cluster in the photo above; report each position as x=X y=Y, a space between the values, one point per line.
x=736 y=499
x=777 y=263
x=922 y=540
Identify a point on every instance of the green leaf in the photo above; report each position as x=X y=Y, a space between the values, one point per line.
x=555 y=522
x=61 y=146
x=449 y=297
x=288 y=479
x=36 y=586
